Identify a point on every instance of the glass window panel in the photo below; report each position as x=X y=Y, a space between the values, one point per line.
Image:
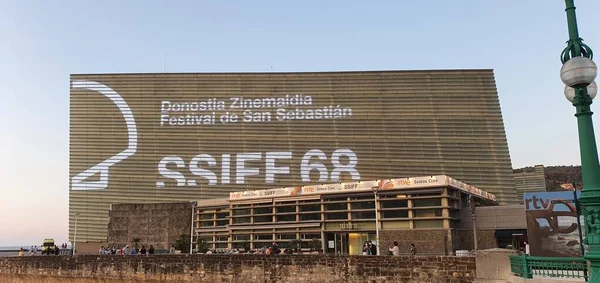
x=222 y=222
x=207 y=223
x=206 y=216
x=333 y=216
x=369 y=197
x=428 y=223
x=263 y=237
x=220 y=245
x=240 y=220
x=363 y=205
x=286 y=218
x=335 y=199
x=223 y=215
x=286 y=236
x=397 y=196
x=237 y=212
x=427 y=202
x=363 y=215
x=263 y=210
x=395 y=214
x=241 y=205
x=311 y=236
x=241 y=237
x=394 y=203
x=434 y=212
x=311 y=207
x=312 y=216
x=286 y=209
x=221 y=238
x=262 y=219
x=238 y=245
x=336 y=206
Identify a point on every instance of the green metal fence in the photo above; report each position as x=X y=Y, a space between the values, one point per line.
x=559 y=267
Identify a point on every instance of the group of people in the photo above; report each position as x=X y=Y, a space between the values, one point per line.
x=272 y=249
x=32 y=251
x=395 y=250
x=126 y=250
x=371 y=249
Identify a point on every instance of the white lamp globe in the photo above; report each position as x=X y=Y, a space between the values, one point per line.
x=592 y=91
x=578 y=71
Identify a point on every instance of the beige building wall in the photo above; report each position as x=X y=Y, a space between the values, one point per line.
x=527 y=182
x=390 y=124
x=495 y=217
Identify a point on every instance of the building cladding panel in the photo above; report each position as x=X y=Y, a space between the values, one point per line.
x=529 y=182
x=363 y=125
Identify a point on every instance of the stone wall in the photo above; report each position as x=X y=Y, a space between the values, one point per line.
x=427 y=242
x=463 y=239
x=158 y=224
x=436 y=241
x=237 y=268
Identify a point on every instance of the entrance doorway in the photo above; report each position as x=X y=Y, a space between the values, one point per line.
x=347 y=243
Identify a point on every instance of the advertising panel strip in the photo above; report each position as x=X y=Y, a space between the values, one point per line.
x=391 y=184
x=168 y=137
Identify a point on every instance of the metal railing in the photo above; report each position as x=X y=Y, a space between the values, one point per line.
x=555 y=267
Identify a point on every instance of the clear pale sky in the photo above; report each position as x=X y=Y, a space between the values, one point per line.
x=42 y=42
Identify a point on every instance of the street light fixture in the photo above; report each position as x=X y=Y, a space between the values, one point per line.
x=192 y=226
x=375 y=189
x=75 y=233
x=578 y=72
x=592 y=90
x=473 y=208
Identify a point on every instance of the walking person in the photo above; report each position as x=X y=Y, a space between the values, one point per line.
x=395 y=249
x=413 y=250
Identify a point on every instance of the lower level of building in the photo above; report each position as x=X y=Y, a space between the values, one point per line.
x=435 y=213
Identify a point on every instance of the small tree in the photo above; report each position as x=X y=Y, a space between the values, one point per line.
x=295 y=245
x=315 y=244
x=183 y=243
x=136 y=243
x=201 y=245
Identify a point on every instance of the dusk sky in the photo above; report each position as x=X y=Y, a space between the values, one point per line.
x=42 y=42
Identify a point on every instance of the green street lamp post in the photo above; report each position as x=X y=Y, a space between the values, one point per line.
x=578 y=73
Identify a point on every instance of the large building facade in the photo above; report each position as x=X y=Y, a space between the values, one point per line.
x=147 y=138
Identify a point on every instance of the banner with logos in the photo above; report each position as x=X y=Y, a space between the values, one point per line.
x=390 y=184
x=552 y=227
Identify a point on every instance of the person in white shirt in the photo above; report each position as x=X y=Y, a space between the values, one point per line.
x=395 y=250
x=526 y=248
